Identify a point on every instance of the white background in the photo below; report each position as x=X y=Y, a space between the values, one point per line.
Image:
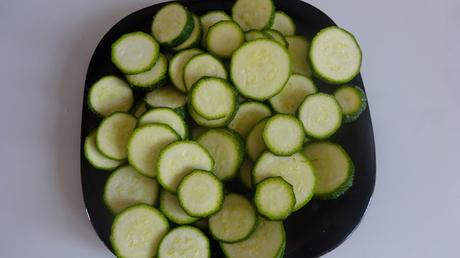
x=411 y=67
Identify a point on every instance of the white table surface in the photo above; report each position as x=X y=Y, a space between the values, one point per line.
x=411 y=63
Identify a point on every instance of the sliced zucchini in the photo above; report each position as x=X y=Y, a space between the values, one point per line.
x=213 y=98
x=184 y=242
x=227 y=150
x=335 y=55
x=352 y=100
x=170 y=207
x=295 y=169
x=235 y=221
x=255 y=144
x=179 y=159
x=260 y=68
x=113 y=134
x=125 y=187
x=267 y=241
x=201 y=66
x=293 y=93
x=255 y=34
x=298 y=51
x=197 y=131
x=139 y=109
x=165 y=97
x=167 y=117
x=145 y=144
x=224 y=38
x=172 y=25
x=334 y=169
x=137 y=231
x=248 y=115
x=109 y=95
x=277 y=36
x=200 y=193
x=321 y=115
x=210 y=18
x=211 y=123
x=283 y=135
x=95 y=157
x=246 y=173
x=274 y=198
x=284 y=24
x=194 y=38
x=177 y=64
x=243 y=12
x=152 y=78
x=135 y=52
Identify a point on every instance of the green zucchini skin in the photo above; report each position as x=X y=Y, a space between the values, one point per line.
x=353 y=116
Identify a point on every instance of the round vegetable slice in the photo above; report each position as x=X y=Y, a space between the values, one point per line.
x=184 y=242
x=283 y=135
x=95 y=157
x=255 y=144
x=248 y=115
x=352 y=100
x=110 y=94
x=277 y=36
x=243 y=12
x=172 y=24
x=165 y=97
x=194 y=38
x=211 y=123
x=210 y=18
x=284 y=24
x=298 y=51
x=170 y=207
x=152 y=78
x=200 y=66
x=274 y=198
x=177 y=64
x=293 y=94
x=166 y=116
x=224 y=38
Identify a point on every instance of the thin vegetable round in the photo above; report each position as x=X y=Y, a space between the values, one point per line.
x=172 y=25
x=203 y=65
x=352 y=100
x=274 y=198
x=184 y=242
x=224 y=38
x=108 y=95
x=283 y=135
x=152 y=78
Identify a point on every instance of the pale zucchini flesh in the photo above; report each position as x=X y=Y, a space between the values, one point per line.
x=283 y=135
x=224 y=38
x=254 y=14
x=284 y=24
x=152 y=78
x=248 y=115
x=170 y=207
x=166 y=116
x=194 y=39
x=274 y=198
x=165 y=97
x=255 y=144
x=95 y=157
x=210 y=18
x=298 y=51
x=211 y=123
x=108 y=95
x=200 y=66
x=184 y=242
x=352 y=100
x=255 y=34
x=172 y=24
x=177 y=64
x=294 y=92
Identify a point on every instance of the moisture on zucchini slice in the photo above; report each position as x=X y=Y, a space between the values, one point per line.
x=166 y=116
x=293 y=94
x=113 y=134
x=235 y=221
x=224 y=38
x=267 y=241
x=135 y=52
x=295 y=169
x=213 y=98
x=137 y=231
x=284 y=24
x=194 y=39
x=227 y=150
x=108 y=95
x=277 y=36
x=184 y=242
x=139 y=109
x=95 y=157
x=283 y=135
x=352 y=100
x=172 y=25
x=260 y=68
x=298 y=51
x=334 y=169
x=210 y=18
x=177 y=64
x=200 y=66
x=248 y=115
x=170 y=207
x=152 y=78
x=145 y=144
x=274 y=198
x=335 y=55
x=178 y=160
x=125 y=187
x=245 y=174
x=200 y=193
x=255 y=144
x=255 y=34
x=321 y=115
x=165 y=97
x=254 y=14
x=211 y=123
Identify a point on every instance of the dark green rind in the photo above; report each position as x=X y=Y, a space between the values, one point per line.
x=195 y=42
x=203 y=39
x=186 y=31
x=348 y=118
x=170 y=71
x=191 y=228
x=209 y=34
x=170 y=216
x=158 y=82
x=267 y=138
x=282 y=183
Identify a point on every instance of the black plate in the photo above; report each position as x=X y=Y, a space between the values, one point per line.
x=312 y=231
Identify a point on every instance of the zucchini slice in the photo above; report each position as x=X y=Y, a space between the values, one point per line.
x=95 y=157
x=210 y=18
x=283 y=135
x=211 y=123
x=255 y=34
x=165 y=97
x=125 y=187
x=152 y=78
x=298 y=51
x=197 y=131
x=284 y=24
x=224 y=38
x=255 y=144
x=243 y=12
x=184 y=242
x=108 y=95
x=167 y=117
x=213 y=98
x=277 y=36
x=235 y=221
x=145 y=144
x=170 y=207
x=227 y=150
x=245 y=174
x=295 y=169
x=335 y=55
x=248 y=115
x=178 y=160
x=135 y=52
x=113 y=134
x=260 y=68
x=274 y=198
x=172 y=25
x=200 y=193
x=194 y=38
x=321 y=115
x=177 y=64
x=352 y=100
x=139 y=109
x=334 y=169
x=201 y=66
x=137 y=231
x=267 y=241
x=293 y=94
